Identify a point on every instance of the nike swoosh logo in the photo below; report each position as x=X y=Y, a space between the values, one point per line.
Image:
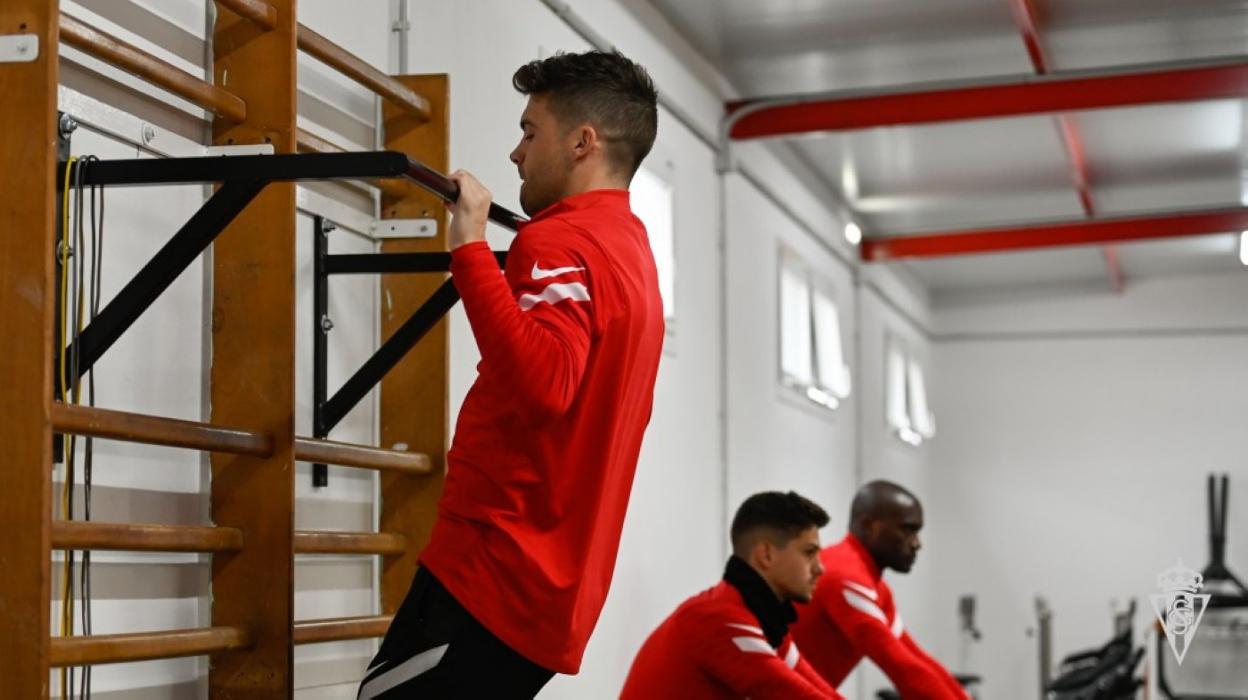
x=540 y=274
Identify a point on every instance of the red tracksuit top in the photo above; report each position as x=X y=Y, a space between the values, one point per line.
x=546 y=443
x=713 y=648
x=853 y=615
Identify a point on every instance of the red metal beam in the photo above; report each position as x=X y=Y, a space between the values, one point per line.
x=1027 y=18
x=1065 y=233
x=1077 y=156
x=1114 y=267
x=1042 y=95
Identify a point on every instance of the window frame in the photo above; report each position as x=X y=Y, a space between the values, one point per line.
x=905 y=424
x=812 y=393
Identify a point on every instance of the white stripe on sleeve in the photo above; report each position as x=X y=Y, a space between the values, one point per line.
x=753 y=645
x=792 y=657
x=868 y=592
x=858 y=602
x=898 y=628
x=555 y=293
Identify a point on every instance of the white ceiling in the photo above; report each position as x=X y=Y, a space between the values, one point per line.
x=976 y=174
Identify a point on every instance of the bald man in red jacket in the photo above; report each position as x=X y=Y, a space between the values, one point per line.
x=853 y=614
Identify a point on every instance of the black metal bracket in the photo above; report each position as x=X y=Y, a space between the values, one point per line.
x=160 y=272
x=321 y=325
x=242 y=178
x=327 y=413
x=65 y=126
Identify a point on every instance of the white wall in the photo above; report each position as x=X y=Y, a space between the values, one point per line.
x=1076 y=434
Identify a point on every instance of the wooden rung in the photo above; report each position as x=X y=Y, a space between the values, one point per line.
x=362 y=72
x=155 y=430
x=308 y=142
x=338 y=629
x=345 y=454
x=78 y=534
x=141 y=646
x=315 y=542
x=155 y=71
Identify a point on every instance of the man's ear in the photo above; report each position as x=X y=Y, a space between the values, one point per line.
x=586 y=140
x=873 y=528
x=765 y=552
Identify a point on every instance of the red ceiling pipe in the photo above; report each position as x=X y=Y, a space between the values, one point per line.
x=1066 y=233
x=1040 y=95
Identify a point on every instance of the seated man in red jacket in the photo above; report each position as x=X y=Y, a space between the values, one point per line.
x=853 y=614
x=732 y=640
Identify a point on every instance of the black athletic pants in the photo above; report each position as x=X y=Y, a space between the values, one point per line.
x=434 y=649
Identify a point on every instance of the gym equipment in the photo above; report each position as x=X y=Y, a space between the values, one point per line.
x=1215 y=669
x=242 y=178
x=968 y=681
x=1227 y=590
x=248 y=429
x=1104 y=673
x=1044 y=623
x=1107 y=673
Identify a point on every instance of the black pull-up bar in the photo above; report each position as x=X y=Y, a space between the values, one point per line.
x=283 y=167
x=442 y=186
x=242 y=178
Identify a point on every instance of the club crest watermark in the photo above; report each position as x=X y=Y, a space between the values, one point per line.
x=1179 y=606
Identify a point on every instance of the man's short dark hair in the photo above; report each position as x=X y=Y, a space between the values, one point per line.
x=780 y=515
x=606 y=90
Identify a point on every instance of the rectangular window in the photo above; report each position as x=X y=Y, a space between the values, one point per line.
x=905 y=405
x=811 y=355
x=652 y=201
x=921 y=418
x=831 y=371
x=796 y=361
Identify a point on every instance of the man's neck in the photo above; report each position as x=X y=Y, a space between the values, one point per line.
x=779 y=595
x=588 y=180
x=774 y=613
x=879 y=568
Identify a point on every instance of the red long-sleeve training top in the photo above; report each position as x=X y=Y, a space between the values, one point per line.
x=546 y=443
x=712 y=648
x=853 y=615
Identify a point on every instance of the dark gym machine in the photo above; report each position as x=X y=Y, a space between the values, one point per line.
x=1223 y=627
